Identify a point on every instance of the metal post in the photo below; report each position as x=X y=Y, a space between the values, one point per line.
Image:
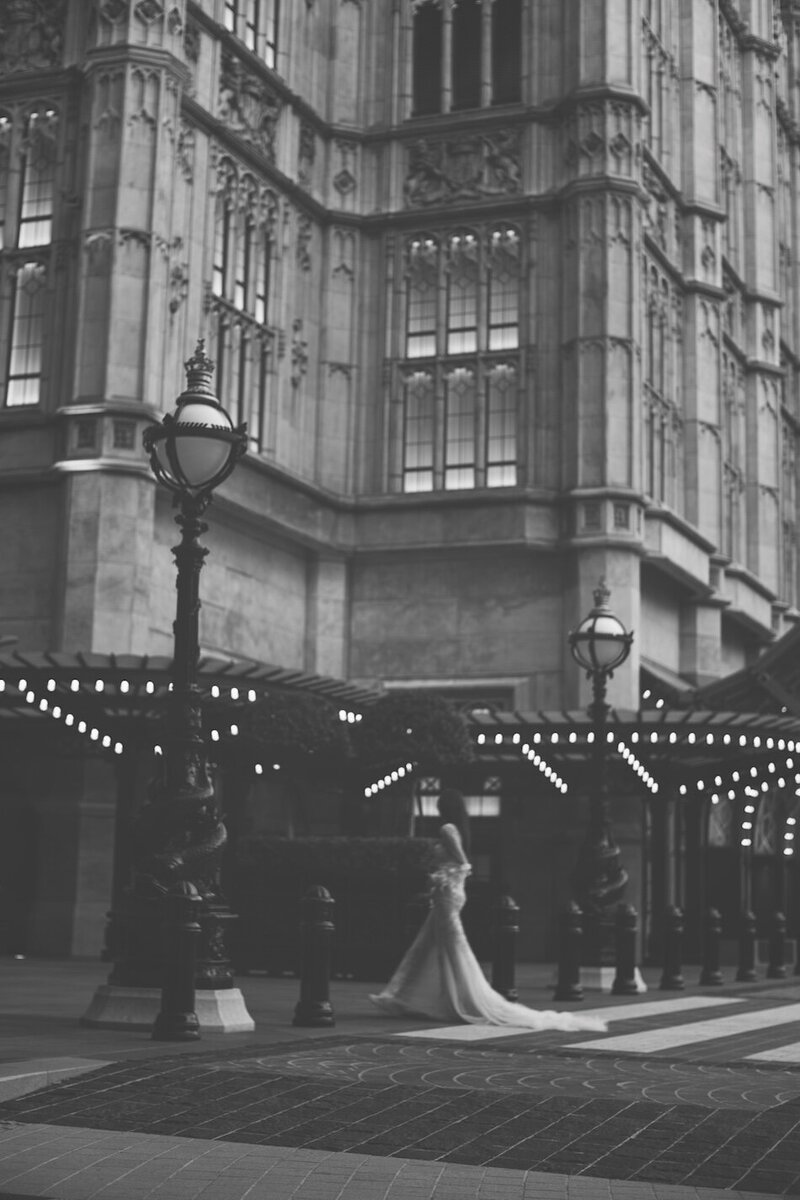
x=710 y=975
x=570 y=936
x=313 y=1009
x=626 y=927
x=672 y=977
x=177 y=1021
x=777 y=947
x=600 y=878
x=746 y=972
x=506 y=929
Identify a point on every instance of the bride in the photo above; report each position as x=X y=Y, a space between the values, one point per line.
x=440 y=977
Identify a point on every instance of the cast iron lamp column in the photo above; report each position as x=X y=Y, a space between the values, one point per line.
x=178 y=837
x=599 y=645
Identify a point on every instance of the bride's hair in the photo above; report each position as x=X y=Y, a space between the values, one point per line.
x=453 y=811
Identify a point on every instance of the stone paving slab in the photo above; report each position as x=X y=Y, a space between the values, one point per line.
x=752 y=1143
x=79 y=1164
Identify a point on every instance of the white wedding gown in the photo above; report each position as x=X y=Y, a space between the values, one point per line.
x=440 y=978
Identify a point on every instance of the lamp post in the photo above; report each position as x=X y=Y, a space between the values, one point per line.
x=178 y=837
x=599 y=645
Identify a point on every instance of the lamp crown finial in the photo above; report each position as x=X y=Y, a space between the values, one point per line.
x=199 y=369
x=601 y=594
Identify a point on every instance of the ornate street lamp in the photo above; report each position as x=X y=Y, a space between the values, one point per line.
x=178 y=837
x=599 y=645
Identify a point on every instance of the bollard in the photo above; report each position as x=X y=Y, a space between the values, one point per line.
x=177 y=1020
x=710 y=975
x=506 y=928
x=625 y=929
x=417 y=911
x=570 y=939
x=671 y=977
x=746 y=972
x=314 y=1009
x=777 y=947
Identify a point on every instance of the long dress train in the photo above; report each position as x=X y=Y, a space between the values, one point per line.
x=440 y=978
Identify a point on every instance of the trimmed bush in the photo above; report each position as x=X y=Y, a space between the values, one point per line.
x=372 y=881
x=414 y=726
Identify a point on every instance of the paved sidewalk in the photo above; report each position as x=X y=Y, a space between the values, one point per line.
x=683 y=1105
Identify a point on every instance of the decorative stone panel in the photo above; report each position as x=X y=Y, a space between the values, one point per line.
x=441 y=170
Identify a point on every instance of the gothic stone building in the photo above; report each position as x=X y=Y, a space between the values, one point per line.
x=507 y=294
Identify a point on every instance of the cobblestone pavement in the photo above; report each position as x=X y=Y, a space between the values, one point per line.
x=549 y=1110
x=694 y=1097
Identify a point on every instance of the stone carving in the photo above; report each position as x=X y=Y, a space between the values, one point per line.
x=344 y=181
x=185 y=151
x=304 y=235
x=443 y=170
x=244 y=193
x=113 y=11
x=299 y=352
x=149 y=11
x=108 y=101
x=191 y=42
x=248 y=107
x=343 y=245
x=306 y=154
x=144 y=93
x=31 y=34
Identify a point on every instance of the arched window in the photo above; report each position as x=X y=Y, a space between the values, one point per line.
x=466 y=53
x=240 y=274
x=27 y=335
x=506 y=51
x=38 y=180
x=422 y=297
x=462 y=293
x=5 y=155
x=255 y=22
x=418 y=432
x=501 y=426
x=427 y=52
x=460 y=413
x=462 y=309
x=503 y=289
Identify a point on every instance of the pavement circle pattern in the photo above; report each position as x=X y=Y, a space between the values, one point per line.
x=728 y=1128
x=379 y=1063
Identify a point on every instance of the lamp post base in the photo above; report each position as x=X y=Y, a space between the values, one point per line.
x=601 y=979
x=116 y=1007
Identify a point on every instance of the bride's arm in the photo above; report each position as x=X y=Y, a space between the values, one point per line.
x=451 y=840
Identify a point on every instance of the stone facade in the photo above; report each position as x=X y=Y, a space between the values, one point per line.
x=494 y=336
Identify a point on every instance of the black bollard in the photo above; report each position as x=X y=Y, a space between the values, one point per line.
x=570 y=939
x=626 y=926
x=314 y=1009
x=777 y=947
x=710 y=975
x=177 y=1020
x=746 y=972
x=671 y=977
x=417 y=911
x=506 y=928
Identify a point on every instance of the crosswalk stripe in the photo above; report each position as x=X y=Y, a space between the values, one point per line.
x=781 y=1054
x=615 y=1012
x=465 y=1033
x=668 y=1037
x=657 y=1008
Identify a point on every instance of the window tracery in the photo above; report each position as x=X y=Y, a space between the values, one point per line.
x=238 y=297
x=462 y=315
x=28 y=169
